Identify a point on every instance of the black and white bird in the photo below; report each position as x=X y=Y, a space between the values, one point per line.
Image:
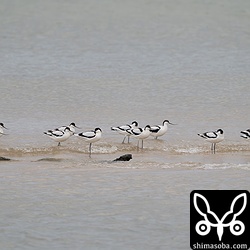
x=140 y=134
x=71 y=126
x=91 y=137
x=160 y=130
x=59 y=135
x=245 y=134
x=213 y=137
x=1 y=129
x=123 y=130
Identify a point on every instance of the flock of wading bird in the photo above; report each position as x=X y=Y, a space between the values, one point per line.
x=63 y=133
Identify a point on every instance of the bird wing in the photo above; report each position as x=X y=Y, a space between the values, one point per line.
x=57 y=133
x=155 y=129
x=125 y=127
x=136 y=131
x=62 y=128
x=210 y=135
x=121 y=128
x=245 y=134
x=89 y=134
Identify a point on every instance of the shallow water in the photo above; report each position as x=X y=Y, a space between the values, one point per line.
x=108 y=63
x=83 y=206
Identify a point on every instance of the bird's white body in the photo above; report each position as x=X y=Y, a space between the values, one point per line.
x=123 y=130
x=213 y=137
x=140 y=133
x=71 y=126
x=160 y=130
x=90 y=136
x=1 y=129
x=245 y=134
x=58 y=135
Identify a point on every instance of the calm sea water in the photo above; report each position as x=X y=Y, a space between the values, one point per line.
x=108 y=63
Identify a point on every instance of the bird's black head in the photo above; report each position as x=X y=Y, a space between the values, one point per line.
x=73 y=124
x=167 y=121
x=2 y=125
x=135 y=123
x=98 y=129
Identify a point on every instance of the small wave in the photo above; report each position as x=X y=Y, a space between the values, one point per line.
x=191 y=150
x=49 y=159
x=221 y=166
x=110 y=148
x=19 y=151
x=198 y=149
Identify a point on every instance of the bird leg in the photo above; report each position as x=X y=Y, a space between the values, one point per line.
x=90 y=149
x=213 y=148
x=138 y=144
x=124 y=139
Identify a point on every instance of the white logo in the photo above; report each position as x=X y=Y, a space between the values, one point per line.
x=203 y=227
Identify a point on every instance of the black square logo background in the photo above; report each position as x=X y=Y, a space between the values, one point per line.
x=220 y=202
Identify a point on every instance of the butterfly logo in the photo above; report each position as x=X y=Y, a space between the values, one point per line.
x=229 y=219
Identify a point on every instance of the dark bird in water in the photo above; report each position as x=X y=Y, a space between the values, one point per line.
x=126 y=157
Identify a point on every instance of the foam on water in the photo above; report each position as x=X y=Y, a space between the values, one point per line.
x=175 y=157
x=106 y=148
x=224 y=166
x=191 y=150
